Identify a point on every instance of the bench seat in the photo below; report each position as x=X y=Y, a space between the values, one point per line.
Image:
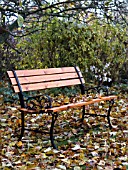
x=79 y=104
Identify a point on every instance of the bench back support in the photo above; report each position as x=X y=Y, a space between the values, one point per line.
x=39 y=79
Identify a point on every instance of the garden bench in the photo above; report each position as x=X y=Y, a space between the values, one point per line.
x=42 y=79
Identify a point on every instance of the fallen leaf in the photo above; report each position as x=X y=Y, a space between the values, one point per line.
x=66 y=160
x=77 y=168
x=19 y=144
x=76 y=147
x=61 y=167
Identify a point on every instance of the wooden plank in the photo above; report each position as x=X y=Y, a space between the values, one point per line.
x=108 y=97
x=28 y=111
x=47 y=85
x=25 y=73
x=44 y=78
x=80 y=104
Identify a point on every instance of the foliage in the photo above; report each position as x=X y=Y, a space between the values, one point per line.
x=99 y=49
x=15 y=14
x=86 y=33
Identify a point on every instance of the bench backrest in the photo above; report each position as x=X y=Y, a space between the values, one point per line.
x=39 y=79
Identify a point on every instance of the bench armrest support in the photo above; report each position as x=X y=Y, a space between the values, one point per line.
x=98 y=90
x=47 y=101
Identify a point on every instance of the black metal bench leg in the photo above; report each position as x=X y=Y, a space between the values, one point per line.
x=54 y=118
x=22 y=126
x=108 y=115
x=83 y=114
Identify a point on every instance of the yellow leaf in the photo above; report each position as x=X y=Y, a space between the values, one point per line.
x=19 y=29
x=92 y=111
x=123 y=151
x=80 y=115
x=19 y=144
x=18 y=121
x=81 y=156
x=66 y=160
x=61 y=156
x=44 y=155
x=84 y=122
x=66 y=100
x=118 y=163
x=23 y=155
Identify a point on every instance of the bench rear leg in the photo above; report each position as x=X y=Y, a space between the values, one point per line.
x=108 y=115
x=22 y=126
x=54 y=118
x=83 y=114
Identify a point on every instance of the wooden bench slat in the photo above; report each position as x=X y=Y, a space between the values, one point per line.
x=43 y=78
x=28 y=111
x=108 y=97
x=79 y=104
x=26 y=73
x=47 y=85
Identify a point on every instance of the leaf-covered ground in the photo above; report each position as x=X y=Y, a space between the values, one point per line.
x=90 y=146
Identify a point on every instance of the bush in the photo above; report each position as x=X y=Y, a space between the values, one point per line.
x=65 y=44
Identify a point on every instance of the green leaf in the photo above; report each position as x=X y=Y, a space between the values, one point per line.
x=20 y=21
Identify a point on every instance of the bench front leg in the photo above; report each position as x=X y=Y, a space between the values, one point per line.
x=22 y=126
x=108 y=115
x=54 y=118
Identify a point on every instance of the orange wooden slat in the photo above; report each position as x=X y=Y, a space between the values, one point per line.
x=24 y=73
x=44 y=78
x=108 y=97
x=28 y=111
x=46 y=85
x=72 y=105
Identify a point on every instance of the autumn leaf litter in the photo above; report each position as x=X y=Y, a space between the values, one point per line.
x=89 y=146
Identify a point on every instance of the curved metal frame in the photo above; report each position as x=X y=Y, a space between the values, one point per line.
x=54 y=118
x=111 y=102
